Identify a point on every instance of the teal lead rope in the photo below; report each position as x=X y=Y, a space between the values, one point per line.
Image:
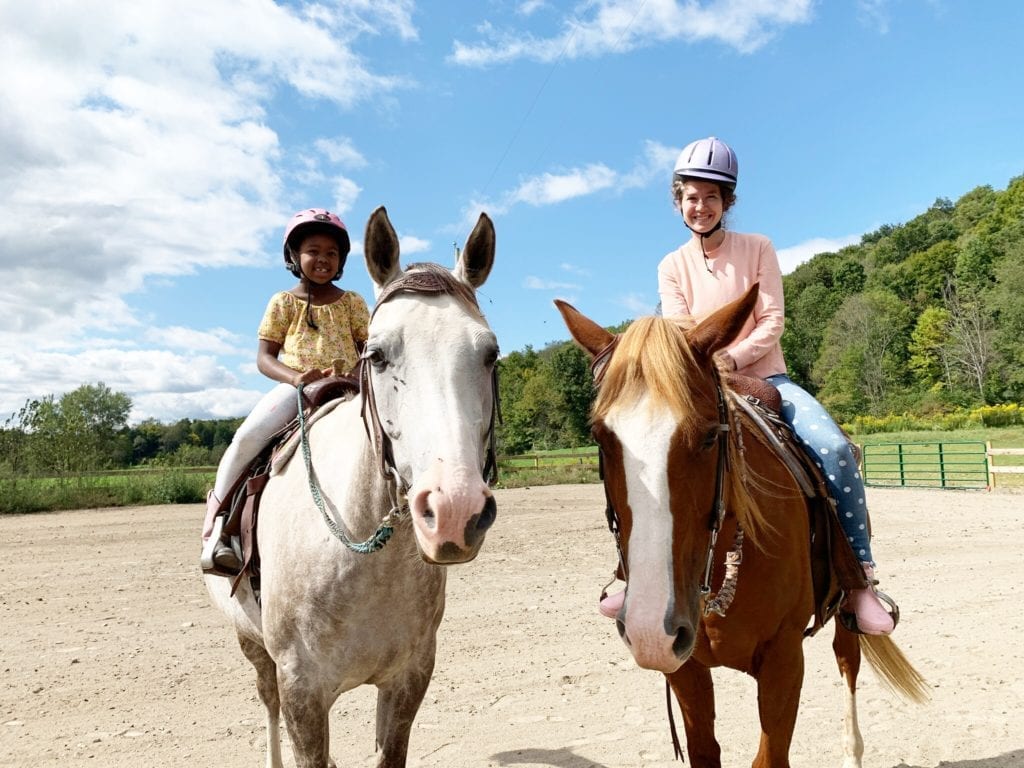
x=384 y=530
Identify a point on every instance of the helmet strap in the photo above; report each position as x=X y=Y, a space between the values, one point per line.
x=309 y=305
x=702 y=236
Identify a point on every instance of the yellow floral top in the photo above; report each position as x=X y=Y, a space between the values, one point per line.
x=341 y=324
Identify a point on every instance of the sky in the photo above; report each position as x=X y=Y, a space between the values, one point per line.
x=151 y=153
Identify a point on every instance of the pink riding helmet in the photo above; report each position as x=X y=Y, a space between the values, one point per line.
x=311 y=221
x=710 y=159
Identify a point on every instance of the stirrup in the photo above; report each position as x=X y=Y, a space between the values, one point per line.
x=218 y=557
x=849 y=618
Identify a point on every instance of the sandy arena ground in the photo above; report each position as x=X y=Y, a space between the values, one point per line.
x=111 y=655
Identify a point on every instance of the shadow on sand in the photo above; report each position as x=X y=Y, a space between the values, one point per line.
x=1013 y=759
x=565 y=758
x=559 y=758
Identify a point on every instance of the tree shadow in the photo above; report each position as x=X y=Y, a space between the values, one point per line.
x=558 y=758
x=1014 y=759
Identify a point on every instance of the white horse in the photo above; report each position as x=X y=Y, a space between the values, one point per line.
x=328 y=618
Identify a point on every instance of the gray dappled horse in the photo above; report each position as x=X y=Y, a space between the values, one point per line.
x=329 y=618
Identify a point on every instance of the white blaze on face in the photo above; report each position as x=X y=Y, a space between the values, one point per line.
x=645 y=435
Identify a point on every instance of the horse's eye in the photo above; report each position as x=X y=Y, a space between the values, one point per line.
x=491 y=357
x=376 y=358
x=709 y=439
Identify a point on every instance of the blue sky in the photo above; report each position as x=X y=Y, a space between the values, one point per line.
x=152 y=153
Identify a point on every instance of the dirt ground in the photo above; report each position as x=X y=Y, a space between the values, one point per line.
x=111 y=655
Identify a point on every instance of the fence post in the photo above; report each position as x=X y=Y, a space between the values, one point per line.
x=988 y=466
x=942 y=467
x=899 y=456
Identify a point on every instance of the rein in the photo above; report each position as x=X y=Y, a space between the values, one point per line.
x=428 y=279
x=720 y=603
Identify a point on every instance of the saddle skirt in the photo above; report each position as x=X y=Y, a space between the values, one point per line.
x=835 y=569
x=241 y=504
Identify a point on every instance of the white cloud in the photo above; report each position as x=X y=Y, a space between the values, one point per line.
x=619 y=26
x=215 y=403
x=130 y=133
x=874 y=13
x=410 y=244
x=340 y=150
x=552 y=188
x=792 y=257
x=539 y=284
x=556 y=188
x=136 y=372
x=217 y=341
x=637 y=305
x=574 y=270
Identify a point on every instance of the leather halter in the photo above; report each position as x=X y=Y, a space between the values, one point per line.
x=428 y=279
x=717 y=513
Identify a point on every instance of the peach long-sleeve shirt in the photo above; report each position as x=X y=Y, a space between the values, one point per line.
x=687 y=288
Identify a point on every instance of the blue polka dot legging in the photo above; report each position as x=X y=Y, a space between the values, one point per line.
x=830 y=449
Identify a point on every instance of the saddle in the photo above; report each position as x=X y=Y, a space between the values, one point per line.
x=241 y=504
x=835 y=569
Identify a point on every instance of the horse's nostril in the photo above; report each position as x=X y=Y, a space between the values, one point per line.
x=487 y=516
x=621 y=626
x=683 y=644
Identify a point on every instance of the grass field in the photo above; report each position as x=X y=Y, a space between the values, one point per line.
x=564 y=466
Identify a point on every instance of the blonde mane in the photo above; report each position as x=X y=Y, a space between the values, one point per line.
x=653 y=357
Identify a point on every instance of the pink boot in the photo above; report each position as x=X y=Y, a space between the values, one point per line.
x=610 y=605
x=873 y=618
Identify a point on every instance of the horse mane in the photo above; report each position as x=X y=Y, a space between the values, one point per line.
x=653 y=357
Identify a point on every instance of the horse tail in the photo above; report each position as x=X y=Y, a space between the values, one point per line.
x=893 y=668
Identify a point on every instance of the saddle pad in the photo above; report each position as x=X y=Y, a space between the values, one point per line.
x=286 y=450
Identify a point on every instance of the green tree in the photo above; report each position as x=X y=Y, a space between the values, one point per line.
x=927 y=348
x=84 y=429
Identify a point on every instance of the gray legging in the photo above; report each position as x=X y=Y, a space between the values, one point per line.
x=272 y=413
x=830 y=449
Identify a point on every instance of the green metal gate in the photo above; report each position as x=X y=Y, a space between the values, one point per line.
x=926 y=465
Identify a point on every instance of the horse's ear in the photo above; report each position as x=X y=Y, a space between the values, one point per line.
x=478 y=256
x=588 y=334
x=380 y=247
x=722 y=326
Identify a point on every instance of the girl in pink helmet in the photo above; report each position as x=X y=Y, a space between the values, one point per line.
x=716 y=266
x=313 y=330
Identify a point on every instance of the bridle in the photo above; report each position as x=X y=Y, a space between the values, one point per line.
x=721 y=602
x=428 y=279
x=423 y=279
x=717 y=513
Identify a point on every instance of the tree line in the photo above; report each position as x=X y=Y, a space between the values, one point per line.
x=87 y=429
x=924 y=318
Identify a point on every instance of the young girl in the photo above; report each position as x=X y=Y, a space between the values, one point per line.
x=717 y=266
x=308 y=332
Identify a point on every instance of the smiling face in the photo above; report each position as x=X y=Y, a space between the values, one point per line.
x=702 y=205
x=319 y=258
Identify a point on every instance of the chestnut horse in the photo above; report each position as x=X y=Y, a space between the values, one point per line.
x=689 y=483
x=408 y=456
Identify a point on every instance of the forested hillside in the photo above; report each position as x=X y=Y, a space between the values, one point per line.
x=923 y=317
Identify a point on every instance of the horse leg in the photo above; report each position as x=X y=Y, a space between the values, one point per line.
x=306 y=712
x=846 y=646
x=397 y=705
x=695 y=692
x=780 y=675
x=266 y=687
